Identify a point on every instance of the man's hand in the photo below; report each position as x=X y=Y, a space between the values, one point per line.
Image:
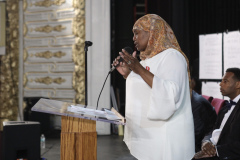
x=200 y=155
x=208 y=148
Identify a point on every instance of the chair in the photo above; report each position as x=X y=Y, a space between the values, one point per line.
x=217 y=104
x=209 y=98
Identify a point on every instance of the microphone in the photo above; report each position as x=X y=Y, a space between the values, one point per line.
x=129 y=51
x=88 y=43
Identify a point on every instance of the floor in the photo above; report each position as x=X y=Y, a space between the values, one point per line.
x=110 y=147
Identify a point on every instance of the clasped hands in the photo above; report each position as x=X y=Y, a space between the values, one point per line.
x=208 y=150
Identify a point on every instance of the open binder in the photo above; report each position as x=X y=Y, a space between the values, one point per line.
x=78 y=111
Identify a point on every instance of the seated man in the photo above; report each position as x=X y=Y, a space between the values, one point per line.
x=224 y=140
x=196 y=85
x=204 y=116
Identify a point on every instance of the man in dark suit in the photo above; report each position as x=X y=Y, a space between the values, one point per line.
x=224 y=141
x=204 y=116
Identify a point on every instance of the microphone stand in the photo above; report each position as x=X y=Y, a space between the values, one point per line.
x=87 y=44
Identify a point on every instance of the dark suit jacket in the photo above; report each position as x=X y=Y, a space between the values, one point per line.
x=204 y=117
x=228 y=145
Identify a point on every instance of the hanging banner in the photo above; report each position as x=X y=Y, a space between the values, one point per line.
x=211 y=89
x=231 y=54
x=210 y=55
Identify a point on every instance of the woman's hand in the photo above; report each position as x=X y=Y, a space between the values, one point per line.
x=132 y=63
x=121 y=67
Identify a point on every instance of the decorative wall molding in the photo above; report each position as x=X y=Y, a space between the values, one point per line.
x=49 y=80
x=46 y=5
x=9 y=66
x=50 y=16
x=47 y=29
x=54 y=36
x=50 y=93
x=49 y=41
x=49 y=67
x=49 y=54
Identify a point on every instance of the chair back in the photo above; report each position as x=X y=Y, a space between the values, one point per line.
x=217 y=104
x=209 y=98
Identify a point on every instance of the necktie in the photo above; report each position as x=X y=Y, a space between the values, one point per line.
x=230 y=104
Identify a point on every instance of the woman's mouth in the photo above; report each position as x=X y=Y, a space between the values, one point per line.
x=136 y=45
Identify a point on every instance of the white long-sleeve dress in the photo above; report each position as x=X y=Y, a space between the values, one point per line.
x=159 y=121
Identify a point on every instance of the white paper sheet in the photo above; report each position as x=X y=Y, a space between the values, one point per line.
x=92 y=112
x=210 y=53
x=211 y=89
x=231 y=54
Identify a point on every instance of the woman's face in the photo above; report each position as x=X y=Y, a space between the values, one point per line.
x=140 y=39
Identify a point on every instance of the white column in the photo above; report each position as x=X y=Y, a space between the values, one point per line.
x=20 y=76
x=98 y=31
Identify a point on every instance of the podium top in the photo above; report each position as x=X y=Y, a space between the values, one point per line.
x=77 y=110
x=13 y=123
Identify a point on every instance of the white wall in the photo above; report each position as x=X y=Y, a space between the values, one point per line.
x=98 y=31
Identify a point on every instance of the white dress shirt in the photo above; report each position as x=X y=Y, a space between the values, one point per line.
x=216 y=133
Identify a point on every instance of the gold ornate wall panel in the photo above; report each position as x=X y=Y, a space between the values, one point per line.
x=9 y=66
x=54 y=36
x=46 y=5
x=49 y=54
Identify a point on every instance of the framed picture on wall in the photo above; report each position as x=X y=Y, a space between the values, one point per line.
x=2 y=28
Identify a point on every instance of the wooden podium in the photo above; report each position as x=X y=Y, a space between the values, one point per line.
x=78 y=139
x=78 y=129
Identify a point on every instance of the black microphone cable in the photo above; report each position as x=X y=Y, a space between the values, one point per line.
x=102 y=88
x=130 y=51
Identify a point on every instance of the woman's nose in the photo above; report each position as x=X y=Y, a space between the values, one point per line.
x=134 y=38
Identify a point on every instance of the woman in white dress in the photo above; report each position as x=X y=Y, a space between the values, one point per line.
x=159 y=122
